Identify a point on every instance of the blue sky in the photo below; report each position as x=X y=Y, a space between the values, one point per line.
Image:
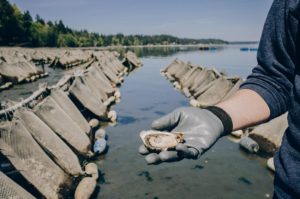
x=233 y=20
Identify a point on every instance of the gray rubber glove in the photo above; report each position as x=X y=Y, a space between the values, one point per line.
x=201 y=129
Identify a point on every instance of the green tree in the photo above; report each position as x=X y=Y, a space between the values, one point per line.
x=67 y=40
x=27 y=25
x=39 y=20
x=100 y=40
x=10 y=27
x=61 y=27
x=136 y=41
x=17 y=28
x=52 y=37
x=39 y=34
x=115 y=41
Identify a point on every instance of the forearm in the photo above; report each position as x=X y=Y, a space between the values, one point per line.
x=245 y=108
x=266 y=93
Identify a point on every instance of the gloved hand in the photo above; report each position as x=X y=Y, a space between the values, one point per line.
x=201 y=129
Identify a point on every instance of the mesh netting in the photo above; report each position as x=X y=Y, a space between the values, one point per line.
x=186 y=81
x=205 y=77
x=67 y=105
x=95 y=86
x=27 y=156
x=29 y=68
x=51 y=143
x=86 y=97
x=133 y=58
x=110 y=74
x=183 y=70
x=216 y=92
x=106 y=62
x=173 y=67
x=115 y=62
x=9 y=189
x=106 y=85
x=13 y=73
x=61 y=123
x=189 y=74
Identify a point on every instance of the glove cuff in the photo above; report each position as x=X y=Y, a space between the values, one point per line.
x=224 y=117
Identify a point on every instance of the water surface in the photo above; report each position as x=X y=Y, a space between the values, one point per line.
x=223 y=172
x=24 y=90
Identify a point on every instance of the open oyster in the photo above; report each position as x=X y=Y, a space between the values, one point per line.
x=161 y=141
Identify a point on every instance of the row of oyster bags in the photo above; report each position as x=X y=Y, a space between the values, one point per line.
x=204 y=87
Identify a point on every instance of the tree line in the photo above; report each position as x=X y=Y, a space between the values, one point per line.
x=19 y=28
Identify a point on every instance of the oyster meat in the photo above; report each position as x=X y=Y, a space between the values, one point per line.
x=160 y=140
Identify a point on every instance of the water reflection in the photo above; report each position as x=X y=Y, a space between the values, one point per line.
x=166 y=51
x=245 y=181
x=227 y=54
x=223 y=168
x=147 y=108
x=161 y=113
x=124 y=120
x=147 y=175
x=198 y=167
x=24 y=90
x=146 y=95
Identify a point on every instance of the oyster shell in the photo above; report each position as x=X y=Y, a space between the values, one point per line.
x=160 y=140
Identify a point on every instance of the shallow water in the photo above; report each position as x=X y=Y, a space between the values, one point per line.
x=22 y=91
x=223 y=172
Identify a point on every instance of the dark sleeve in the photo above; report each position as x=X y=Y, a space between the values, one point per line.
x=273 y=77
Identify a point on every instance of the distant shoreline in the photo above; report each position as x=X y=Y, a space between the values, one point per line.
x=142 y=46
